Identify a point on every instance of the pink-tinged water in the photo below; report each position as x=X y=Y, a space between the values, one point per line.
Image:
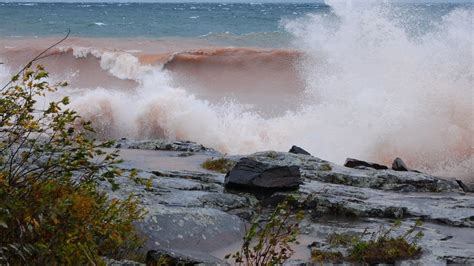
x=361 y=87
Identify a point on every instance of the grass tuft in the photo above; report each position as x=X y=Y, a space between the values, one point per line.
x=327 y=256
x=336 y=239
x=381 y=247
x=325 y=167
x=221 y=165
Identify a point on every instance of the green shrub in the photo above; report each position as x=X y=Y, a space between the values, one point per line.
x=50 y=209
x=56 y=221
x=270 y=245
x=221 y=165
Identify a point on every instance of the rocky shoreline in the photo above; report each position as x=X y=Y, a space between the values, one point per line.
x=198 y=216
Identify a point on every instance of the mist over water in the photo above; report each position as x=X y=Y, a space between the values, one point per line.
x=371 y=85
x=381 y=92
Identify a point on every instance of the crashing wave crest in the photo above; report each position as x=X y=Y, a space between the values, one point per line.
x=363 y=87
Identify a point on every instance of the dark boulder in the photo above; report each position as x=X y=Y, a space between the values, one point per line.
x=358 y=164
x=399 y=165
x=181 y=257
x=467 y=187
x=252 y=176
x=298 y=150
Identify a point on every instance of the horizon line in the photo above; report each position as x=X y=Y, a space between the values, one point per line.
x=220 y=2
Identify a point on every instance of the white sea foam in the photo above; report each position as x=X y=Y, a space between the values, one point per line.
x=383 y=93
x=374 y=91
x=377 y=94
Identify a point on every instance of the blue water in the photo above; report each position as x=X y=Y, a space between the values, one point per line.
x=227 y=23
x=146 y=19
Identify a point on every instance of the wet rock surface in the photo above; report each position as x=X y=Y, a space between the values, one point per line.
x=445 y=208
x=162 y=144
x=191 y=213
x=188 y=228
x=313 y=168
x=187 y=212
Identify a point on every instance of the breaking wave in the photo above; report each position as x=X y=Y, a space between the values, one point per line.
x=357 y=85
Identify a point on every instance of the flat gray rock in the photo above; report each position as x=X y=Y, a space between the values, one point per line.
x=197 y=229
x=446 y=208
x=190 y=212
x=185 y=213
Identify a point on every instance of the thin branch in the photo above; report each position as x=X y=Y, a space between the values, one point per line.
x=38 y=57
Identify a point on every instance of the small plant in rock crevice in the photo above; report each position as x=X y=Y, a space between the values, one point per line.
x=336 y=239
x=381 y=246
x=270 y=244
